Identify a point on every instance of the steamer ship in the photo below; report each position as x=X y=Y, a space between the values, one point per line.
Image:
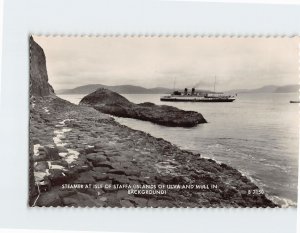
x=194 y=96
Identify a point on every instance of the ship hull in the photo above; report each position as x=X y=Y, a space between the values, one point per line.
x=210 y=100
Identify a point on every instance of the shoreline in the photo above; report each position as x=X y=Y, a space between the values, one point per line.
x=276 y=199
x=165 y=157
x=283 y=202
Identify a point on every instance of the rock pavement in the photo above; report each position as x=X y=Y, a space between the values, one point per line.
x=73 y=144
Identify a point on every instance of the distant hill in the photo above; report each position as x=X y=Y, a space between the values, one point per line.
x=121 y=89
x=131 y=89
x=288 y=89
x=268 y=89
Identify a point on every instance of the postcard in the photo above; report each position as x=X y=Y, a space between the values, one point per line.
x=163 y=121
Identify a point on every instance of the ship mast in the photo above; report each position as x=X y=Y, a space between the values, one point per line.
x=174 y=84
x=215 y=84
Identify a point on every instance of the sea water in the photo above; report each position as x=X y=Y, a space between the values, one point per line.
x=258 y=134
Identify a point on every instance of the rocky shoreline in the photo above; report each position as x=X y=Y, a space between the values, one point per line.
x=73 y=144
x=110 y=102
x=79 y=156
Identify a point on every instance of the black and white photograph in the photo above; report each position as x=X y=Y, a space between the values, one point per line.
x=163 y=121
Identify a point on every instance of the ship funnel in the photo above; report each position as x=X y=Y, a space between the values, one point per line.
x=193 y=91
x=185 y=91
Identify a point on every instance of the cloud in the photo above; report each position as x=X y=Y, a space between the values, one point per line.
x=158 y=61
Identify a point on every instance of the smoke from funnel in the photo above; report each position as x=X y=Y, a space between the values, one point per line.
x=198 y=84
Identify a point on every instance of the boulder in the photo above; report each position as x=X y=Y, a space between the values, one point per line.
x=109 y=102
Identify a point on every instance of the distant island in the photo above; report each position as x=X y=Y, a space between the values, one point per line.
x=120 y=89
x=269 y=89
x=131 y=89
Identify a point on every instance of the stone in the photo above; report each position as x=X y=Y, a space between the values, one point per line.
x=126 y=203
x=96 y=158
x=101 y=169
x=60 y=163
x=103 y=164
x=99 y=146
x=140 y=202
x=132 y=172
x=93 y=134
x=160 y=203
x=121 y=194
x=51 y=153
x=61 y=149
x=70 y=201
x=44 y=185
x=81 y=165
x=85 y=178
x=49 y=199
x=58 y=177
x=100 y=176
x=119 y=179
x=89 y=150
x=66 y=193
x=116 y=171
x=87 y=200
x=40 y=157
x=41 y=166
x=103 y=198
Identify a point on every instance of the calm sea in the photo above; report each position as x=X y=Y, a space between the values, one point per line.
x=258 y=134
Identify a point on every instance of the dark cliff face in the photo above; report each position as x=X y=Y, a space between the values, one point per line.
x=109 y=102
x=39 y=85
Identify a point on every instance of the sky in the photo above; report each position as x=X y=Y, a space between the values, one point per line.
x=237 y=63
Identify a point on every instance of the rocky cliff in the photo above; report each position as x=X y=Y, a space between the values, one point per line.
x=109 y=102
x=39 y=85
